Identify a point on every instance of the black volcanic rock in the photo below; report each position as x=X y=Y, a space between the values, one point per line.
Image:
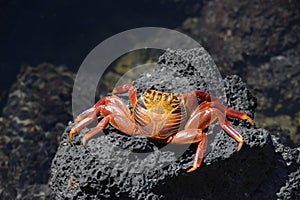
x=237 y=31
x=37 y=109
x=118 y=166
x=259 y=41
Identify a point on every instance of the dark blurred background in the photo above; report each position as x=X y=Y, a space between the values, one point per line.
x=37 y=38
x=257 y=40
x=64 y=32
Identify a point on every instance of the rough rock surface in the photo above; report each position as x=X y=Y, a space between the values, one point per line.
x=256 y=39
x=117 y=166
x=36 y=112
x=259 y=40
x=236 y=32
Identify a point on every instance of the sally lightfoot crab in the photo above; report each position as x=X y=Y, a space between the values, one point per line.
x=162 y=116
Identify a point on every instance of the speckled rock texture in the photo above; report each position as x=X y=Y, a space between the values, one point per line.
x=117 y=166
x=36 y=113
x=259 y=40
x=236 y=31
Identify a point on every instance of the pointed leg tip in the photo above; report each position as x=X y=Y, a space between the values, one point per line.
x=250 y=121
x=240 y=146
x=191 y=169
x=72 y=132
x=169 y=139
x=70 y=140
x=84 y=142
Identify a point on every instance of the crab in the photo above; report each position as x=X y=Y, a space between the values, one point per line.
x=162 y=116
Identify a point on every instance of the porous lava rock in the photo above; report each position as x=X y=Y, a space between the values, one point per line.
x=237 y=31
x=259 y=40
x=114 y=165
x=36 y=112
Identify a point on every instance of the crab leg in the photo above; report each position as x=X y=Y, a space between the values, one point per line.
x=192 y=136
x=201 y=149
x=83 y=120
x=228 y=111
x=192 y=99
x=101 y=107
x=131 y=92
x=211 y=101
x=204 y=96
x=113 y=110
x=193 y=133
x=101 y=125
x=239 y=115
x=204 y=116
x=224 y=123
x=87 y=117
x=81 y=124
x=120 y=122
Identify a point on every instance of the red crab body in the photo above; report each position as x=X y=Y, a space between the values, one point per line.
x=159 y=114
x=162 y=116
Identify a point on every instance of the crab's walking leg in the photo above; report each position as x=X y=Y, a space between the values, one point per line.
x=101 y=125
x=192 y=136
x=114 y=111
x=121 y=122
x=212 y=101
x=224 y=123
x=215 y=110
x=82 y=121
x=192 y=99
x=86 y=117
x=239 y=115
x=205 y=114
x=227 y=111
x=131 y=92
x=204 y=96
x=104 y=107
x=193 y=133
x=201 y=149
